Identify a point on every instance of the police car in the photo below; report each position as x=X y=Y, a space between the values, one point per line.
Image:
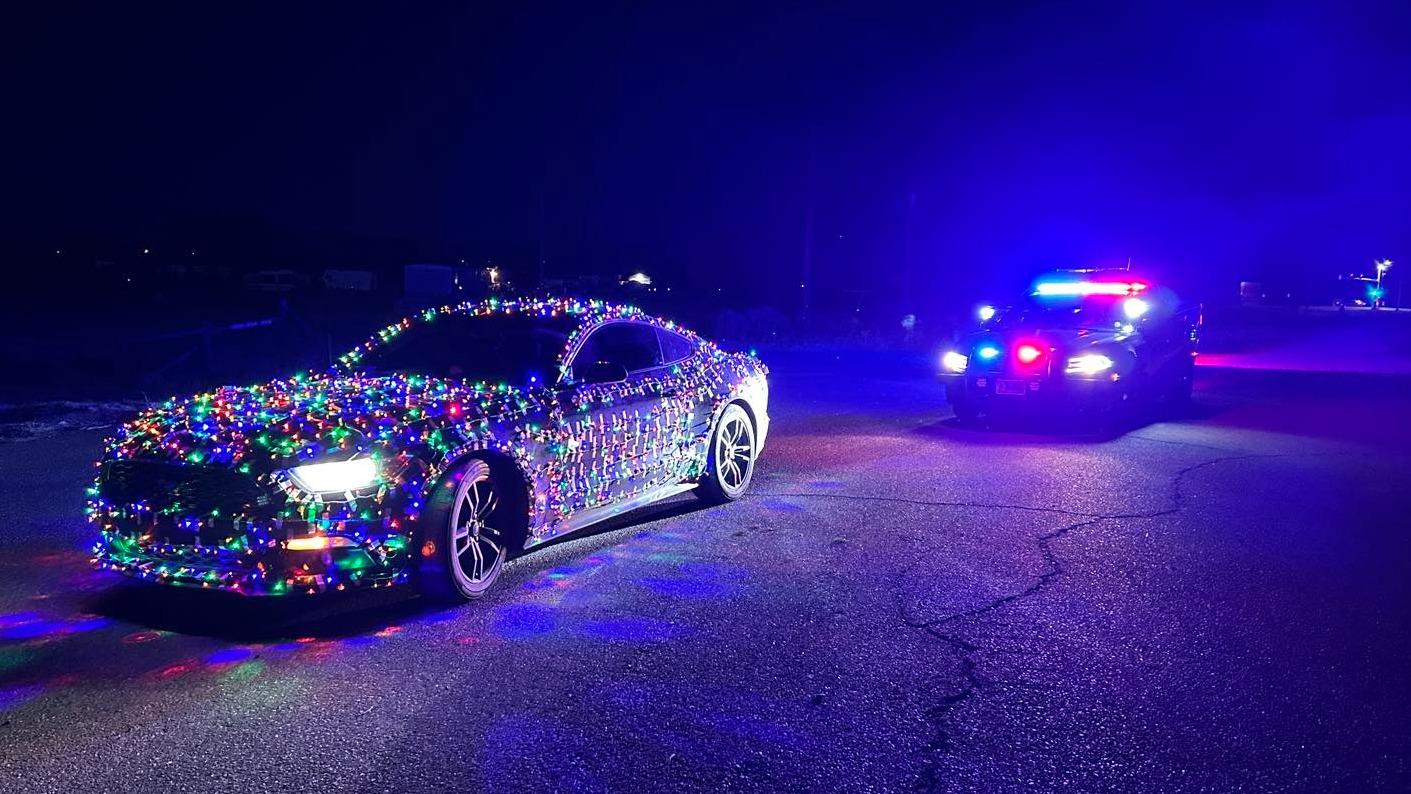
x=1086 y=340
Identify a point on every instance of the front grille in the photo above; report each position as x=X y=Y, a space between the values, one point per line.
x=179 y=488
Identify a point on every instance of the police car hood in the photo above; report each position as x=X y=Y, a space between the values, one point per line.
x=1068 y=340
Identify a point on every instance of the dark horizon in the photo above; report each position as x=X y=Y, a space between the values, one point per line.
x=1206 y=144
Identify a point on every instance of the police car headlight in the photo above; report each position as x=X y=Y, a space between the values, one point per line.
x=954 y=362
x=1088 y=365
x=347 y=475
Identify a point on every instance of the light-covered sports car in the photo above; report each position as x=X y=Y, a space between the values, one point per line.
x=431 y=454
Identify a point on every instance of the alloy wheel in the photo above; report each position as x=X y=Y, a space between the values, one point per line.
x=477 y=547
x=734 y=451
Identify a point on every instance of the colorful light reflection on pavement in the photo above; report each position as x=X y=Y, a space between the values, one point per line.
x=900 y=603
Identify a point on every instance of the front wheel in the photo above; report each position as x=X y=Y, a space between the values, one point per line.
x=967 y=411
x=472 y=524
x=730 y=462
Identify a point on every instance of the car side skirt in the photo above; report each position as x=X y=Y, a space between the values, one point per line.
x=596 y=515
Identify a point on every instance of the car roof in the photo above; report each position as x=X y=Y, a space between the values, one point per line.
x=586 y=313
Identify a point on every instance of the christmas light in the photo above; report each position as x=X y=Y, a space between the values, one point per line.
x=317 y=481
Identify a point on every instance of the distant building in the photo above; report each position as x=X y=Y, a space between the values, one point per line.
x=357 y=280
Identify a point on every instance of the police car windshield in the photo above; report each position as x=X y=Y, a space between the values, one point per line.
x=1093 y=312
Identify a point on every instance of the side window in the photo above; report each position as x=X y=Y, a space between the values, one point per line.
x=632 y=345
x=674 y=346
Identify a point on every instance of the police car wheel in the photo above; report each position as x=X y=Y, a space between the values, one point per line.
x=966 y=410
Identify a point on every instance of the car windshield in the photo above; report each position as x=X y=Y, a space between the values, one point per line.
x=1099 y=311
x=500 y=348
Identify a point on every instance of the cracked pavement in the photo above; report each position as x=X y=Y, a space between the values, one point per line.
x=1212 y=602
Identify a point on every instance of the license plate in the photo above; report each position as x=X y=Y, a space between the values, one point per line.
x=1011 y=387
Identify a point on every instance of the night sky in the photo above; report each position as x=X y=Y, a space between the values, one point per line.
x=1206 y=141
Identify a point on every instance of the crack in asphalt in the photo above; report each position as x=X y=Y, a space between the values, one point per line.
x=938 y=714
x=926 y=503
x=1173 y=442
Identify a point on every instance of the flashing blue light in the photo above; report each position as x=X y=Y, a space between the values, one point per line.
x=988 y=352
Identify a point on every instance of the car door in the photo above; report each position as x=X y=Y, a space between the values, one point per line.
x=619 y=424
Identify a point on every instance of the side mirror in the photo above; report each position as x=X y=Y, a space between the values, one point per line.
x=601 y=372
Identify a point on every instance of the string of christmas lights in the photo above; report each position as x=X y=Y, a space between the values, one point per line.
x=576 y=448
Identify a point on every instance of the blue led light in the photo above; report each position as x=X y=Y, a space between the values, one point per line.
x=988 y=352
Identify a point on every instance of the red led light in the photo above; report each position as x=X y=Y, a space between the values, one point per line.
x=1086 y=288
x=1027 y=354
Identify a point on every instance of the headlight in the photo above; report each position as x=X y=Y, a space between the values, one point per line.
x=348 y=475
x=953 y=361
x=1134 y=308
x=1090 y=364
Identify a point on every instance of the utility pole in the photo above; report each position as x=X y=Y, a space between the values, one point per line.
x=807 y=284
x=908 y=294
x=541 y=238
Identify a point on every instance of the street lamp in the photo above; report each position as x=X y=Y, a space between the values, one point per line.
x=1382 y=267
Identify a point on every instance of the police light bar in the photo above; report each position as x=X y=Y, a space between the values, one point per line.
x=1054 y=289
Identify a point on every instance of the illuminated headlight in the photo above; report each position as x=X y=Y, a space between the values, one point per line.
x=348 y=475
x=1134 y=308
x=953 y=361
x=1090 y=364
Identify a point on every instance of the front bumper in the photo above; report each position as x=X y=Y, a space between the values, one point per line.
x=995 y=392
x=259 y=565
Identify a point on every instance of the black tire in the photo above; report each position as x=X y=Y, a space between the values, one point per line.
x=965 y=411
x=486 y=499
x=1183 y=384
x=731 y=457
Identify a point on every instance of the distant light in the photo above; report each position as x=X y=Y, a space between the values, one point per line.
x=1134 y=308
x=987 y=313
x=1053 y=289
x=988 y=352
x=146 y=250
x=58 y=252
x=953 y=361
x=640 y=278
x=1027 y=354
x=1090 y=364
x=1383 y=265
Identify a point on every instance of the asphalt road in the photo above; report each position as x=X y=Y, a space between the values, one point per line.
x=1212 y=602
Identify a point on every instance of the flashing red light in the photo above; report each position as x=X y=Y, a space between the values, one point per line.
x=1027 y=354
x=1086 y=288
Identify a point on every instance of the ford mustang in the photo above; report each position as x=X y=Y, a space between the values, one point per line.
x=431 y=454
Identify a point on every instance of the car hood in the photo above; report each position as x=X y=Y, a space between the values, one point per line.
x=302 y=419
x=1066 y=340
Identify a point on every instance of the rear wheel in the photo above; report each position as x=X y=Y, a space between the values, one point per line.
x=475 y=519
x=730 y=461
